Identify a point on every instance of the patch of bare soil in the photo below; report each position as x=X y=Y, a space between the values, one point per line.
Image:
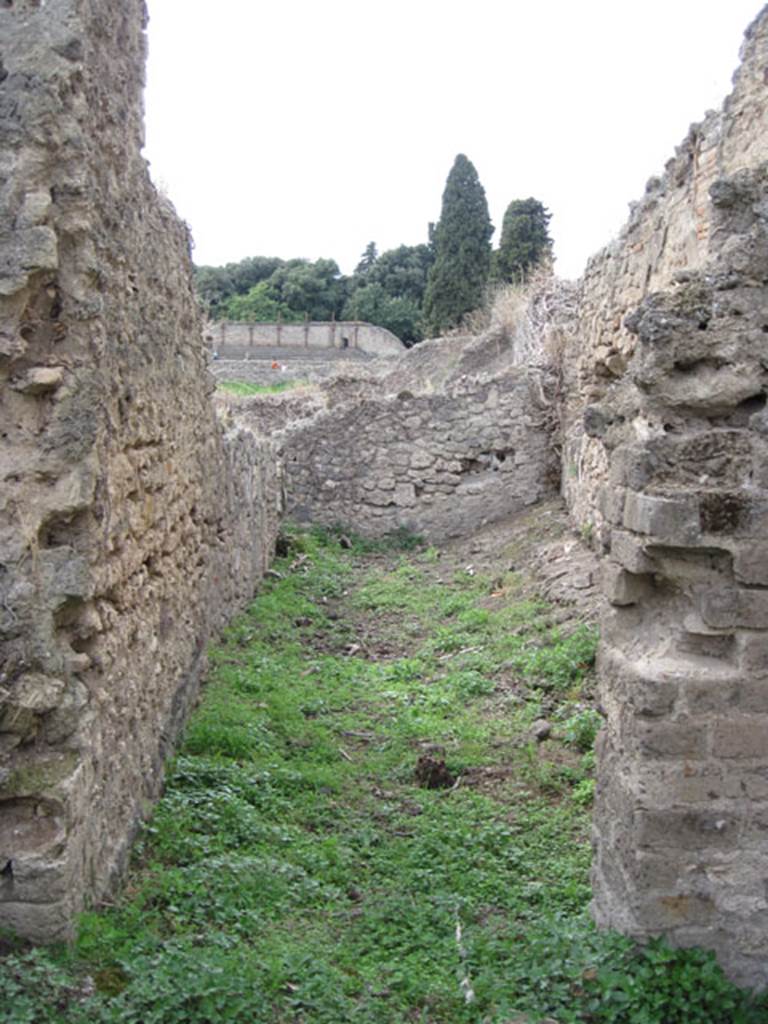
x=551 y=560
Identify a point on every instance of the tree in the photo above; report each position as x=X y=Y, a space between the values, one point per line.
x=397 y=313
x=403 y=272
x=389 y=291
x=462 y=241
x=257 y=306
x=524 y=241
x=313 y=289
x=216 y=285
x=367 y=260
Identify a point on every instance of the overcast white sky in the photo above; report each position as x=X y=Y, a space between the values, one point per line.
x=311 y=127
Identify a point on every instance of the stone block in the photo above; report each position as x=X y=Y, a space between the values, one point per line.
x=405 y=495
x=638 y=686
x=610 y=501
x=752 y=653
x=665 y=784
x=40 y=922
x=730 y=608
x=688 y=830
x=621 y=587
x=422 y=459
x=750 y=564
x=679 y=738
x=666 y=520
x=39 y=380
x=705 y=696
x=740 y=736
x=631 y=552
x=664 y=911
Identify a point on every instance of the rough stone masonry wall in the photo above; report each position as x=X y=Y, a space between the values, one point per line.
x=675 y=475
x=438 y=457
x=130 y=525
x=668 y=233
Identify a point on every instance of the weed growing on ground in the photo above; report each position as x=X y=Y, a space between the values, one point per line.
x=295 y=872
x=241 y=387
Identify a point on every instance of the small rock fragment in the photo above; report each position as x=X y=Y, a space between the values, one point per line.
x=541 y=730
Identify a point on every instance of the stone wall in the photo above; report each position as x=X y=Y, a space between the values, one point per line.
x=437 y=456
x=131 y=523
x=240 y=340
x=668 y=233
x=670 y=463
x=134 y=520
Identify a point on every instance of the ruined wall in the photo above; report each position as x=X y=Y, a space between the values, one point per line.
x=131 y=523
x=439 y=455
x=672 y=467
x=668 y=234
x=241 y=340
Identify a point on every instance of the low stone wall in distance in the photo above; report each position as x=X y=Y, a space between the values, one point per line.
x=232 y=340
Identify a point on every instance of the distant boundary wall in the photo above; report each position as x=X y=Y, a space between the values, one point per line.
x=230 y=340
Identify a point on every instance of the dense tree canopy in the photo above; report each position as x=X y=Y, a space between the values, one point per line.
x=388 y=290
x=367 y=260
x=524 y=241
x=459 y=274
x=372 y=304
x=313 y=289
x=217 y=284
x=258 y=305
x=403 y=272
x=412 y=290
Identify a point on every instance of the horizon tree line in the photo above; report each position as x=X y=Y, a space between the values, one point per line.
x=415 y=291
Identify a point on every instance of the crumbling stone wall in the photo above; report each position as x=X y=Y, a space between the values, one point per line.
x=436 y=452
x=131 y=523
x=668 y=233
x=672 y=468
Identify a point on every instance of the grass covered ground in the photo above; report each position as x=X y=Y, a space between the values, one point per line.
x=299 y=869
x=242 y=387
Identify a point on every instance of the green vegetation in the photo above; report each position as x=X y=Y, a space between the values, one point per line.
x=390 y=289
x=459 y=274
x=295 y=872
x=525 y=240
x=241 y=387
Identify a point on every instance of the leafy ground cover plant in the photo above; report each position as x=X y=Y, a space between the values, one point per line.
x=242 y=387
x=296 y=872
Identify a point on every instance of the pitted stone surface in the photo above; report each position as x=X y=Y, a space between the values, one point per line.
x=131 y=523
x=671 y=474
x=136 y=514
x=441 y=447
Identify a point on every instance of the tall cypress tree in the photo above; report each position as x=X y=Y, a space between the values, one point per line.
x=524 y=241
x=462 y=242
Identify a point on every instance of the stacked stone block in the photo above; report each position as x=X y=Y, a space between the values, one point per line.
x=682 y=806
x=438 y=460
x=131 y=524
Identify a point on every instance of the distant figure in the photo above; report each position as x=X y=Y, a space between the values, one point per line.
x=275 y=365
x=345 y=342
